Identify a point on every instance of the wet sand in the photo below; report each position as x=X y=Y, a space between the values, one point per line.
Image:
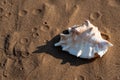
x=29 y=29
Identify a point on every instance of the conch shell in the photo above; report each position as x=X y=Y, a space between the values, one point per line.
x=84 y=41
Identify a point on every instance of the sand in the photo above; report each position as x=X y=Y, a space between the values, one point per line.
x=29 y=29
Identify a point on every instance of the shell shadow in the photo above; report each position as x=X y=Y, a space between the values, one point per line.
x=57 y=52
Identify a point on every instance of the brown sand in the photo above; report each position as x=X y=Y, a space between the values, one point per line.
x=29 y=28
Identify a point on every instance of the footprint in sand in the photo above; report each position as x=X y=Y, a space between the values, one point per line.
x=34 y=32
x=8 y=14
x=80 y=78
x=4 y=2
x=95 y=15
x=34 y=29
x=22 y=13
x=45 y=23
x=37 y=11
x=1 y=10
x=44 y=28
x=118 y=78
x=114 y=3
x=3 y=62
x=35 y=35
x=24 y=41
x=99 y=78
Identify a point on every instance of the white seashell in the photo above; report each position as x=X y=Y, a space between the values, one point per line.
x=84 y=41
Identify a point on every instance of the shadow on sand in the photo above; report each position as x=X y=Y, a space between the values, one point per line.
x=57 y=52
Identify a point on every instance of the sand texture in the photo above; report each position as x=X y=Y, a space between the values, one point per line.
x=29 y=29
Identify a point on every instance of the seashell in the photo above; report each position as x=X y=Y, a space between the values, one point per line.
x=84 y=41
